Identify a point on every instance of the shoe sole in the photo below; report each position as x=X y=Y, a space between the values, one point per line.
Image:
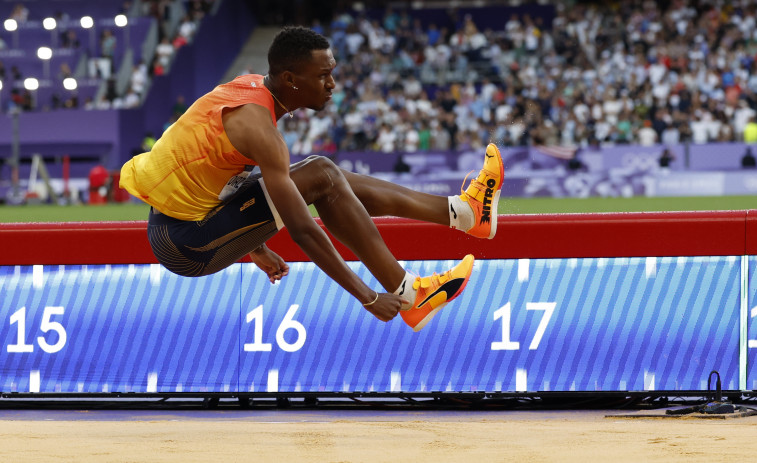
x=431 y=314
x=495 y=205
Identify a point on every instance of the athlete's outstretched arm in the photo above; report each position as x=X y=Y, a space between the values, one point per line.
x=253 y=134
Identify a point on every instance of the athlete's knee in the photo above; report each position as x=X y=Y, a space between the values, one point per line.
x=317 y=177
x=321 y=162
x=325 y=168
x=313 y=158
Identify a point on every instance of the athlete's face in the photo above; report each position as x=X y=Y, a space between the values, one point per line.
x=314 y=82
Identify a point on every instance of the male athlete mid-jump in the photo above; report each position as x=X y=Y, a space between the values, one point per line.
x=209 y=210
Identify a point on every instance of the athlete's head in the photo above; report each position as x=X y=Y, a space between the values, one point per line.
x=300 y=61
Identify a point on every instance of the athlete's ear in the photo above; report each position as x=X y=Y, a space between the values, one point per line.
x=288 y=78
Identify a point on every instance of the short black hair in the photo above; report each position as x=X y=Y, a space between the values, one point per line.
x=292 y=46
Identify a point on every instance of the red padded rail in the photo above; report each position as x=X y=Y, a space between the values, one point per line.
x=518 y=236
x=751 y=232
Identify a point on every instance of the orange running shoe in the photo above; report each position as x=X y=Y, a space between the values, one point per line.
x=435 y=292
x=483 y=194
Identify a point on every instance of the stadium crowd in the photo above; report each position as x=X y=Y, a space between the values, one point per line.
x=171 y=36
x=591 y=74
x=170 y=39
x=622 y=72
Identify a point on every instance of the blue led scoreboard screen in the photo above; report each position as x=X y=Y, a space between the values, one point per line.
x=522 y=325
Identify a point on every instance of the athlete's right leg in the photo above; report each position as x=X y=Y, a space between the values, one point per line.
x=324 y=185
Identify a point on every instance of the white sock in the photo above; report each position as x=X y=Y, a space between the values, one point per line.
x=406 y=290
x=460 y=213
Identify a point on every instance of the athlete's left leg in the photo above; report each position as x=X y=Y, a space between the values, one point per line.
x=474 y=211
x=382 y=198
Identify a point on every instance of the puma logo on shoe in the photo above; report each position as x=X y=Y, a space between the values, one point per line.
x=489 y=155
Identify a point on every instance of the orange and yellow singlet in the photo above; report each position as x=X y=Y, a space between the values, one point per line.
x=193 y=165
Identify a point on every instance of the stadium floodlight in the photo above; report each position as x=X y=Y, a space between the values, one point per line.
x=50 y=24
x=69 y=83
x=44 y=53
x=30 y=83
x=122 y=21
x=87 y=22
x=12 y=26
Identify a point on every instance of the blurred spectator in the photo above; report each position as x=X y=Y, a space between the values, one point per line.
x=108 y=44
x=247 y=70
x=748 y=161
x=575 y=164
x=71 y=102
x=20 y=13
x=148 y=141
x=666 y=158
x=27 y=100
x=126 y=7
x=131 y=99
x=139 y=78
x=671 y=135
x=178 y=41
x=424 y=136
x=198 y=9
x=169 y=122
x=164 y=52
x=179 y=106
x=110 y=89
x=102 y=66
x=647 y=136
x=387 y=139
x=64 y=71
x=68 y=39
x=17 y=100
x=290 y=133
x=157 y=68
x=61 y=16
x=187 y=28
x=55 y=101
x=411 y=139
x=16 y=73
x=750 y=131
x=401 y=166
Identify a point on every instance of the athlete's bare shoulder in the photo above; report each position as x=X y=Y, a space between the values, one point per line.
x=251 y=130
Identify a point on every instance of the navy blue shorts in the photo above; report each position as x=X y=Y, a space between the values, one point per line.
x=229 y=232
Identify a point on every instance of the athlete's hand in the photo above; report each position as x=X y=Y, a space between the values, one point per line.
x=386 y=306
x=270 y=262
